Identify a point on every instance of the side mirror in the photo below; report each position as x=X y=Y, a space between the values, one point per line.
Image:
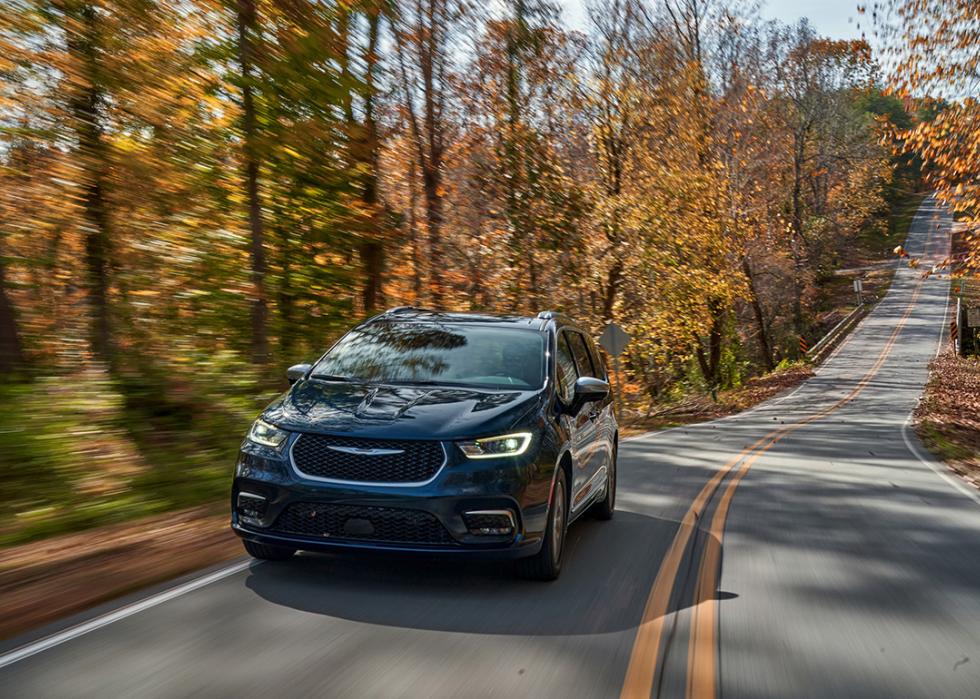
x=297 y=371
x=587 y=390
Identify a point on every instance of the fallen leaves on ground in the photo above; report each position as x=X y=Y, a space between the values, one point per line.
x=948 y=417
x=702 y=408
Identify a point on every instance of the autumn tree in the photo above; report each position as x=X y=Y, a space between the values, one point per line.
x=612 y=100
x=241 y=179
x=360 y=31
x=425 y=33
x=518 y=117
x=933 y=53
x=814 y=78
x=86 y=35
x=247 y=26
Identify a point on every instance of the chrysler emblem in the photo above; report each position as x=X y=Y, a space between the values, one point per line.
x=366 y=451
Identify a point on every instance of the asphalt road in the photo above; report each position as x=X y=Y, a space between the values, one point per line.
x=802 y=549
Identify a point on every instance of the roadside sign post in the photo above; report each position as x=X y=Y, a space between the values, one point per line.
x=614 y=340
x=966 y=340
x=970 y=340
x=973 y=316
x=859 y=290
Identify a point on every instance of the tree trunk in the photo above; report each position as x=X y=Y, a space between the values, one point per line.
x=521 y=235
x=613 y=280
x=84 y=105
x=478 y=297
x=533 y=275
x=247 y=26
x=799 y=153
x=760 y=319
x=286 y=293
x=428 y=51
x=413 y=229
x=710 y=361
x=11 y=352
x=372 y=249
x=372 y=259
x=431 y=179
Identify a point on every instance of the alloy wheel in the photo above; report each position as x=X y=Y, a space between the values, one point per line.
x=558 y=521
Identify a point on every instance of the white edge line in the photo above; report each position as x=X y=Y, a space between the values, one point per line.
x=935 y=464
x=74 y=632
x=939 y=468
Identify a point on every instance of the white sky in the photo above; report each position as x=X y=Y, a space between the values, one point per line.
x=836 y=19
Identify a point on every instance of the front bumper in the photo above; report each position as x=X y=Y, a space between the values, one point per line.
x=515 y=549
x=520 y=485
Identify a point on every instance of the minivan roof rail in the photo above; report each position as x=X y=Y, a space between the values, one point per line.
x=548 y=315
x=409 y=309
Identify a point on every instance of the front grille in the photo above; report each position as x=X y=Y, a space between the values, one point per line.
x=408 y=461
x=386 y=524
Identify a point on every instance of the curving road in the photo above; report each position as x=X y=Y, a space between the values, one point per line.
x=807 y=548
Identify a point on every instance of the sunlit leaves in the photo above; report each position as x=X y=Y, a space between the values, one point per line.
x=933 y=56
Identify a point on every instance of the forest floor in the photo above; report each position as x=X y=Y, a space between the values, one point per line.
x=948 y=417
x=701 y=408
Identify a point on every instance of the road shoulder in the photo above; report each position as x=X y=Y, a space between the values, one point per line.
x=75 y=572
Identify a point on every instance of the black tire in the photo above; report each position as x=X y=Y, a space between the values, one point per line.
x=265 y=552
x=606 y=508
x=546 y=564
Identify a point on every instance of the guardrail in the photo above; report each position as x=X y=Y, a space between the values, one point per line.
x=828 y=341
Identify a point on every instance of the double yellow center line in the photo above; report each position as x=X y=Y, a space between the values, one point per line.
x=702 y=676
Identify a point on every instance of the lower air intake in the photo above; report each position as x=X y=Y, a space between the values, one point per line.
x=382 y=524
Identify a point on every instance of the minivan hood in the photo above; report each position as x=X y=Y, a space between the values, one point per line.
x=399 y=412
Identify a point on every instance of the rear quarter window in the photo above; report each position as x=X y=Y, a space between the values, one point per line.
x=581 y=353
x=565 y=368
x=598 y=361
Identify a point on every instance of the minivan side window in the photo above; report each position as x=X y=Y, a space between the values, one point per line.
x=581 y=354
x=565 y=368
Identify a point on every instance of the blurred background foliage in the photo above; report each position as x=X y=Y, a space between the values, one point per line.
x=195 y=194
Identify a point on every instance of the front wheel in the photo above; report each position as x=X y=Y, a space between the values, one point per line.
x=546 y=563
x=265 y=552
x=606 y=508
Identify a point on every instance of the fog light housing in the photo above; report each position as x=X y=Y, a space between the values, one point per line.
x=251 y=505
x=490 y=522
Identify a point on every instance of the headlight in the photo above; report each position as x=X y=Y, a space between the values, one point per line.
x=492 y=447
x=267 y=435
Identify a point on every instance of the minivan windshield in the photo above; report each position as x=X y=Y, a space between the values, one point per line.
x=438 y=353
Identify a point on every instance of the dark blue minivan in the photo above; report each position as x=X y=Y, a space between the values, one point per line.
x=429 y=432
